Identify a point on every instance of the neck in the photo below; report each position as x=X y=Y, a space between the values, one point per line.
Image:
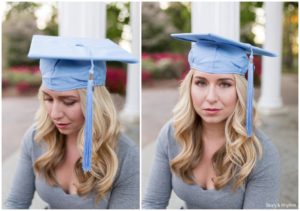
x=213 y=131
x=71 y=140
x=72 y=151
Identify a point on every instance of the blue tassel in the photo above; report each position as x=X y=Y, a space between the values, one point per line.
x=249 y=116
x=88 y=127
x=88 y=130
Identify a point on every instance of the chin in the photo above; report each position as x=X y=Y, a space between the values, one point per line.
x=213 y=120
x=65 y=132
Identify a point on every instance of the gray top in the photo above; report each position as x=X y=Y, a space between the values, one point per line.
x=124 y=193
x=261 y=189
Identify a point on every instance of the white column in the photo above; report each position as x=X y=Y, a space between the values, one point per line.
x=131 y=110
x=270 y=99
x=222 y=18
x=82 y=19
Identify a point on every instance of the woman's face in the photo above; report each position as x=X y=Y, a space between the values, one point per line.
x=214 y=96
x=64 y=109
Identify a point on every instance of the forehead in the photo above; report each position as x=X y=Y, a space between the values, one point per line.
x=211 y=76
x=70 y=93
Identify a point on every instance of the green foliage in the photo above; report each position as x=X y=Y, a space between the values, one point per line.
x=180 y=14
x=148 y=65
x=14 y=78
x=247 y=20
x=156 y=28
x=290 y=37
x=52 y=25
x=17 y=33
x=118 y=15
x=165 y=68
x=158 y=24
x=18 y=27
x=17 y=8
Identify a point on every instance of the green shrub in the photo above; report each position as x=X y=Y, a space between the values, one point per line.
x=14 y=78
x=165 y=68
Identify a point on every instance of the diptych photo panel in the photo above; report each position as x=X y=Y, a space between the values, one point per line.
x=149 y=105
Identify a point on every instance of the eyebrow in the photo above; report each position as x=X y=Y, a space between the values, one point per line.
x=61 y=97
x=219 y=79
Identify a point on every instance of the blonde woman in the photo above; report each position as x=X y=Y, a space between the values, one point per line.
x=74 y=155
x=210 y=153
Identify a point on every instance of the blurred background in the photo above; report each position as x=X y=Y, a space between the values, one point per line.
x=164 y=64
x=21 y=79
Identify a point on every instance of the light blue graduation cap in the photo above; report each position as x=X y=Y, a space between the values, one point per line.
x=74 y=63
x=217 y=55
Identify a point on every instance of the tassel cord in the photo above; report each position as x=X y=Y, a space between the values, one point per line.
x=249 y=117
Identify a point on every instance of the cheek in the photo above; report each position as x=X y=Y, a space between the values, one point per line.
x=48 y=107
x=230 y=98
x=197 y=96
x=75 y=113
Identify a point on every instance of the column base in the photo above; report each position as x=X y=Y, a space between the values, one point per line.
x=271 y=111
x=129 y=116
x=130 y=124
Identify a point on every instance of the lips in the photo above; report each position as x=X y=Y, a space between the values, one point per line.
x=211 y=111
x=62 y=125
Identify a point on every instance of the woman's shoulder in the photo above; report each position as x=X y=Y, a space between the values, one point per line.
x=269 y=149
x=270 y=159
x=125 y=143
x=167 y=131
x=29 y=146
x=128 y=157
x=126 y=149
x=28 y=138
x=166 y=141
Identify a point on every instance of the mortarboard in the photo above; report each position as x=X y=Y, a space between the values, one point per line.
x=74 y=63
x=215 y=54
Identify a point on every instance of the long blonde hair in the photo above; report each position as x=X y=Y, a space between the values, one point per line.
x=234 y=160
x=105 y=134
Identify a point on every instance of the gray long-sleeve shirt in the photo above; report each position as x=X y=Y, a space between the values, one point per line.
x=124 y=193
x=260 y=191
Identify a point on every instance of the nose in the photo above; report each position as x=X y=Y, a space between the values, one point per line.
x=212 y=95
x=56 y=111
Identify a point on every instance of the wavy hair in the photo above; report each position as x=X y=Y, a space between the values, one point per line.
x=234 y=161
x=105 y=133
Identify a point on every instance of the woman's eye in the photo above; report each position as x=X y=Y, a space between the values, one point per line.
x=48 y=99
x=225 y=85
x=69 y=103
x=200 y=83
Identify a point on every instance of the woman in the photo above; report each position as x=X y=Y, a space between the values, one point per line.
x=208 y=154
x=74 y=155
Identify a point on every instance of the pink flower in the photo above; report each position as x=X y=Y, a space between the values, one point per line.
x=116 y=80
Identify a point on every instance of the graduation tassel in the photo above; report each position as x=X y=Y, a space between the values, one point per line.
x=88 y=130
x=249 y=116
